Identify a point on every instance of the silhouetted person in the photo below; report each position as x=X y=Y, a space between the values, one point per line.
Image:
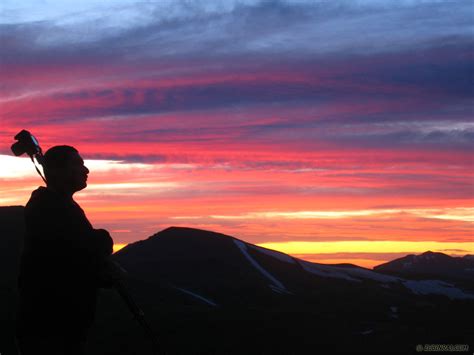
x=62 y=262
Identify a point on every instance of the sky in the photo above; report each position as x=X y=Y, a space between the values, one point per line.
x=336 y=131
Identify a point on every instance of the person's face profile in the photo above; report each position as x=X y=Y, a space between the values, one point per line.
x=73 y=176
x=77 y=172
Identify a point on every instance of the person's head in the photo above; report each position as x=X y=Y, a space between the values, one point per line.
x=64 y=169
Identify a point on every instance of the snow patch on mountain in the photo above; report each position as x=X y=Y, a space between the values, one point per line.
x=276 y=254
x=279 y=290
x=351 y=274
x=325 y=271
x=419 y=287
x=243 y=248
x=199 y=297
x=368 y=274
x=425 y=287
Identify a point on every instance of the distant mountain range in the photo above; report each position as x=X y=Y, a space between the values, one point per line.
x=212 y=293
x=431 y=265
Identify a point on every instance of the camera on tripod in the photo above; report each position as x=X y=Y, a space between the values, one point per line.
x=27 y=143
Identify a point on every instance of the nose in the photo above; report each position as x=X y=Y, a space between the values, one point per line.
x=87 y=170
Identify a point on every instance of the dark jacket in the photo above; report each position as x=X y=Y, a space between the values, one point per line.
x=59 y=270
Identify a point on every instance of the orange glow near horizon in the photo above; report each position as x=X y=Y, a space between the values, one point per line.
x=365 y=253
x=134 y=201
x=384 y=246
x=119 y=246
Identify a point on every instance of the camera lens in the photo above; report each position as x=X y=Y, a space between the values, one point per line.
x=18 y=148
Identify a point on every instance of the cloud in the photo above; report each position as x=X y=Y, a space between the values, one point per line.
x=213 y=30
x=460 y=214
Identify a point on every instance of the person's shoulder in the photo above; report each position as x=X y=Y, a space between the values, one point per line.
x=41 y=198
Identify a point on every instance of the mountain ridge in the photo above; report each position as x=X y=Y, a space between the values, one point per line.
x=431 y=264
x=201 y=248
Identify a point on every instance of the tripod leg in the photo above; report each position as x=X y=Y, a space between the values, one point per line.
x=139 y=315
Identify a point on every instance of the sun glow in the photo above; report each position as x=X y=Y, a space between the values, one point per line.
x=357 y=246
x=119 y=246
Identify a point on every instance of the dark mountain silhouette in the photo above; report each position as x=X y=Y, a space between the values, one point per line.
x=226 y=270
x=210 y=293
x=288 y=300
x=11 y=232
x=459 y=270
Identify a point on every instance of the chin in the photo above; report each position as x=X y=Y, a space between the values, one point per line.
x=82 y=186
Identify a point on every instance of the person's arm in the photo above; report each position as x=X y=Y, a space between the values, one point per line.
x=111 y=273
x=100 y=243
x=67 y=239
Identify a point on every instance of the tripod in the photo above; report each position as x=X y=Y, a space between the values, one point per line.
x=138 y=314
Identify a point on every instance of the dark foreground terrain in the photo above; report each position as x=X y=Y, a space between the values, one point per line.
x=208 y=293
